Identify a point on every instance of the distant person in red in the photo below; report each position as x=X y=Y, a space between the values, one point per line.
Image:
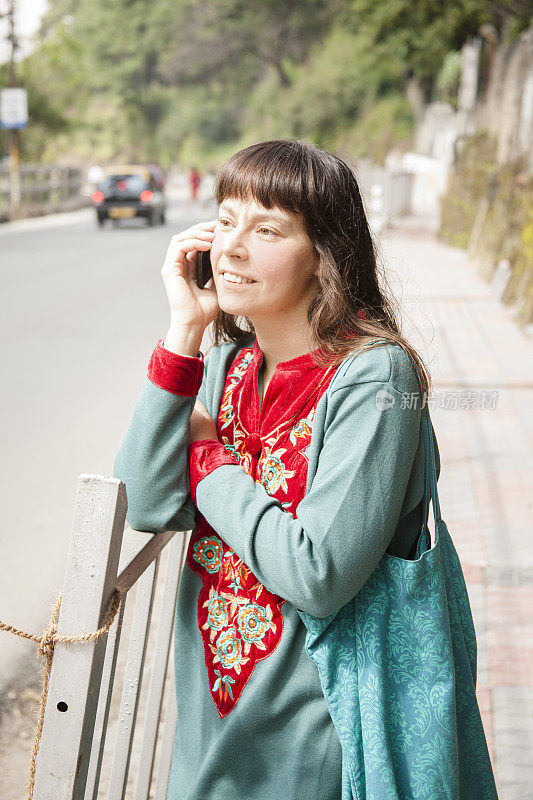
x=194 y=180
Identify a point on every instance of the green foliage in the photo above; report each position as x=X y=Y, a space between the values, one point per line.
x=385 y=124
x=447 y=81
x=55 y=78
x=418 y=33
x=192 y=80
x=153 y=76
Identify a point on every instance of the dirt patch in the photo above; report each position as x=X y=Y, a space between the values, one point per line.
x=19 y=707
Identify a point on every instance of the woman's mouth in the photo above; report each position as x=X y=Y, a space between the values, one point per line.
x=236 y=280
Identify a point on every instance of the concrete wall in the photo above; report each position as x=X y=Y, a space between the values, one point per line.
x=496 y=94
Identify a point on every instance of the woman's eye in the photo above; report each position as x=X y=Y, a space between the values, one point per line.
x=224 y=223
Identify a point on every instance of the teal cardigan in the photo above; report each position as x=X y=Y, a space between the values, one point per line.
x=363 y=497
x=365 y=477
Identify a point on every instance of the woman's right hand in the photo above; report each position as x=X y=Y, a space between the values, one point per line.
x=190 y=306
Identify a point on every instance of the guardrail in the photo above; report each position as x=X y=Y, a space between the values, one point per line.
x=42 y=188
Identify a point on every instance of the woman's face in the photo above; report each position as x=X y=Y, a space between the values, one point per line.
x=271 y=247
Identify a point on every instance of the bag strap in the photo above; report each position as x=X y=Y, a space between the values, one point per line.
x=430 y=478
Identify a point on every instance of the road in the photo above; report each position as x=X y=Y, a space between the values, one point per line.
x=80 y=312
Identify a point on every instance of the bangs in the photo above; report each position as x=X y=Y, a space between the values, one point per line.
x=276 y=173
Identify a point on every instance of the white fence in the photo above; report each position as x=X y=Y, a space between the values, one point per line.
x=42 y=187
x=104 y=556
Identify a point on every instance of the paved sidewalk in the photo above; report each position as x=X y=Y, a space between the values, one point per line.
x=481 y=362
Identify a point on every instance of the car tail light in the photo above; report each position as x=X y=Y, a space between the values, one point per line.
x=97 y=197
x=146 y=196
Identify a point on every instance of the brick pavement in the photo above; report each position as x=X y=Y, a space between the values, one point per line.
x=472 y=345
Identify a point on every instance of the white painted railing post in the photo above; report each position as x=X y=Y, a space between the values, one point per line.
x=91 y=574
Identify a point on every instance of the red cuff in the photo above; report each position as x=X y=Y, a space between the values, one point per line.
x=205 y=455
x=176 y=373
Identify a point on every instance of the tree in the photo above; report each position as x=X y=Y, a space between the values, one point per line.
x=238 y=39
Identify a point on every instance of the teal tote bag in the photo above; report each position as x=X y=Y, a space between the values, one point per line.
x=398 y=667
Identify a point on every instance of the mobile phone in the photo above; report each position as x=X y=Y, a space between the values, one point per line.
x=204 y=270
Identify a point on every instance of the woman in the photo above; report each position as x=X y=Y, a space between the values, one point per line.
x=309 y=374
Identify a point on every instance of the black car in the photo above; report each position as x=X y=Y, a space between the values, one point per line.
x=124 y=195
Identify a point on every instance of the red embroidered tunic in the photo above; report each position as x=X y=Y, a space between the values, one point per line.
x=239 y=620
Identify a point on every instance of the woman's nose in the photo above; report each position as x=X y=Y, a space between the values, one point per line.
x=232 y=242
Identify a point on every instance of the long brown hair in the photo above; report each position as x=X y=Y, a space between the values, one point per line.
x=351 y=311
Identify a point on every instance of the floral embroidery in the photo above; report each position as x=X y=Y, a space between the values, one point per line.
x=233 y=378
x=239 y=619
x=235 y=571
x=254 y=621
x=217 y=613
x=226 y=416
x=228 y=651
x=208 y=553
x=235 y=446
x=223 y=680
x=273 y=472
x=302 y=429
x=232 y=450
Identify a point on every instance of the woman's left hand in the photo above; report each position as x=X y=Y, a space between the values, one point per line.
x=202 y=424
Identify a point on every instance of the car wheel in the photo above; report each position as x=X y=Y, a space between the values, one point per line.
x=150 y=220
x=100 y=221
x=162 y=218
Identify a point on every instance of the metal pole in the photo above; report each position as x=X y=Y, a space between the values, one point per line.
x=14 y=173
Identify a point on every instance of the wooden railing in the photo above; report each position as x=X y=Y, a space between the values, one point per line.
x=104 y=556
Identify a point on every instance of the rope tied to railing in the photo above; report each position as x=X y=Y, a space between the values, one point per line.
x=47 y=642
